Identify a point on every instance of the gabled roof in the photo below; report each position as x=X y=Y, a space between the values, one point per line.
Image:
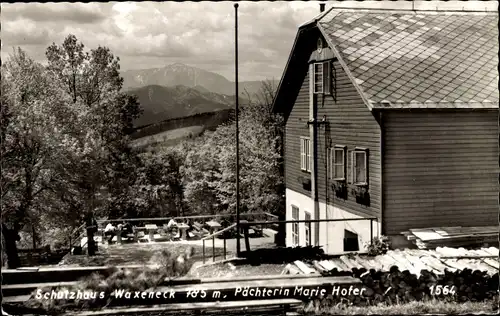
x=417 y=59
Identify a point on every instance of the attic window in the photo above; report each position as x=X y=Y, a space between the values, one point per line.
x=322 y=78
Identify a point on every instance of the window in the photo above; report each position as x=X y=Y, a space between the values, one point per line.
x=351 y=242
x=305 y=154
x=295 y=226
x=322 y=78
x=308 y=228
x=360 y=166
x=338 y=162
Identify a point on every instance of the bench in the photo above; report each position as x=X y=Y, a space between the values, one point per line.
x=151 y=228
x=201 y=230
x=198 y=226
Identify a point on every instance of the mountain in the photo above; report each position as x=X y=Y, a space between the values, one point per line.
x=201 y=89
x=180 y=74
x=162 y=103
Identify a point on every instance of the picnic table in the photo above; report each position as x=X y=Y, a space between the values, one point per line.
x=183 y=230
x=214 y=226
x=151 y=228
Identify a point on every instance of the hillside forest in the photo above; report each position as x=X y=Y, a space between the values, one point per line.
x=66 y=158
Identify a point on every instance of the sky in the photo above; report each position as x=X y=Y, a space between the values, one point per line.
x=199 y=34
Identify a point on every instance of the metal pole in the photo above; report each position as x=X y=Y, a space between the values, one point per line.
x=203 y=250
x=213 y=248
x=238 y=246
x=371 y=231
x=310 y=234
x=224 y=247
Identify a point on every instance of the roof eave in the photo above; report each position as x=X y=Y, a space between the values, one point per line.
x=275 y=110
x=457 y=105
x=351 y=77
x=309 y=24
x=317 y=18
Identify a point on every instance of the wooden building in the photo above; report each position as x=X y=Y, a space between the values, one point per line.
x=394 y=115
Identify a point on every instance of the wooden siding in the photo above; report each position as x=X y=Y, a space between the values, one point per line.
x=440 y=169
x=350 y=124
x=296 y=127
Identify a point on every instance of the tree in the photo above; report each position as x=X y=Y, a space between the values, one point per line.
x=93 y=78
x=210 y=169
x=35 y=115
x=200 y=174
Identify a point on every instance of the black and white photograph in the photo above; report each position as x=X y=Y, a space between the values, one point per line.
x=250 y=158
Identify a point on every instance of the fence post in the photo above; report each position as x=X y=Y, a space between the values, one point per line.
x=224 y=247
x=213 y=248
x=310 y=234
x=203 y=251
x=371 y=231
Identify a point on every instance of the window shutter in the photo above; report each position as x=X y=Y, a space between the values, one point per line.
x=350 y=166
x=333 y=81
x=309 y=155
x=366 y=166
x=345 y=162
x=302 y=154
x=327 y=80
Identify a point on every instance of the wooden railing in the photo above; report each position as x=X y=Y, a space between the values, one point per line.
x=180 y=218
x=212 y=236
x=79 y=233
x=246 y=225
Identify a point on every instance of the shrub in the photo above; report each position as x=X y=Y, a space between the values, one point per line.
x=164 y=266
x=378 y=246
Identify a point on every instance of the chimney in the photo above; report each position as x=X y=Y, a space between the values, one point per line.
x=321 y=7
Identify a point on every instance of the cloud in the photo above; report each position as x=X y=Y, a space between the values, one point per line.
x=73 y=12
x=155 y=34
x=24 y=32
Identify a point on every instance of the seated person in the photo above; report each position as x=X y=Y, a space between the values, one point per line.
x=175 y=232
x=109 y=232
x=127 y=230
x=191 y=230
x=172 y=223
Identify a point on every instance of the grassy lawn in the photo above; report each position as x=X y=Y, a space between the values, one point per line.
x=413 y=308
x=171 y=136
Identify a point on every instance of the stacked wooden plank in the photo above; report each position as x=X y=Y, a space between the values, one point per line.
x=416 y=260
x=457 y=236
x=300 y=267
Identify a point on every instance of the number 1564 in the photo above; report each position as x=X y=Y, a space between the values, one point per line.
x=442 y=289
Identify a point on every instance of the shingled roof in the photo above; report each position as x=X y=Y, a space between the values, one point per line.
x=418 y=59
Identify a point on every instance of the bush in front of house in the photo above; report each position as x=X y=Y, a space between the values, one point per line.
x=378 y=246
